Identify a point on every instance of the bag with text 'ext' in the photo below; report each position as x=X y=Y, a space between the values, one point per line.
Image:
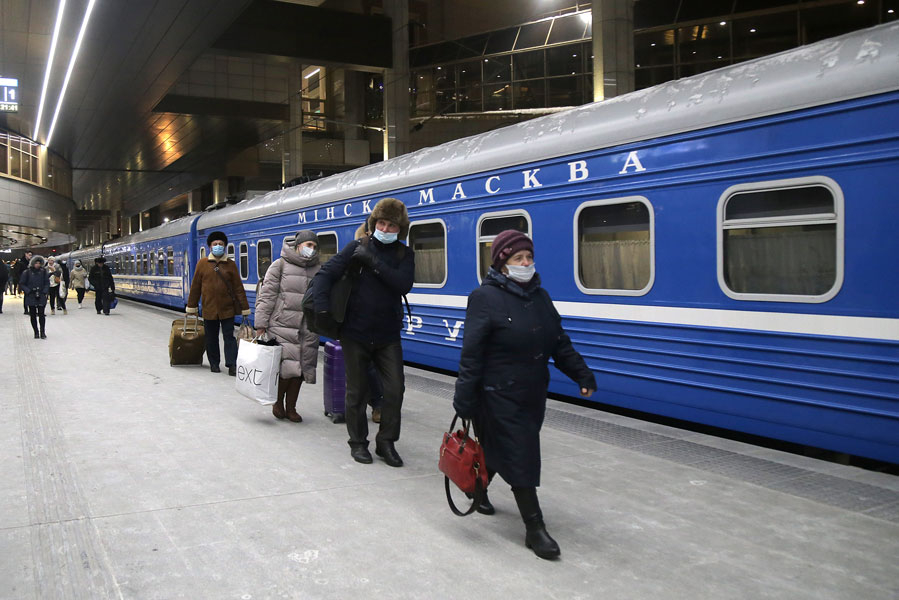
x=258 y=366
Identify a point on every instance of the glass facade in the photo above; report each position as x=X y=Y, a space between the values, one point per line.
x=21 y=158
x=535 y=65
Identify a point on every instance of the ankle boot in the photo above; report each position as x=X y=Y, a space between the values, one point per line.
x=278 y=408
x=536 y=537
x=292 y=413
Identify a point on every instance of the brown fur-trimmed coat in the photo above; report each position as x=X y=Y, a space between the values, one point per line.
x=217 y=302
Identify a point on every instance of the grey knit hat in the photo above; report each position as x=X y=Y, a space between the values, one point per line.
x=304 y=235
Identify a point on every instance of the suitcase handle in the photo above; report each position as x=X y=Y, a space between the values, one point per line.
x=196 y=324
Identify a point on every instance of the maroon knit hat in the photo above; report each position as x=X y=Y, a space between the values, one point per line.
x=506 y=244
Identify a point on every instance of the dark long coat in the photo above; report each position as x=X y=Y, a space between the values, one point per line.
x=510 y=334
x=33 y=280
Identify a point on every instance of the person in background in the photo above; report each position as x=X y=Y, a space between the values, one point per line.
x=4 y=281
x=78 y=280
x=55 y=272
x=66 y=279
x=35 y=284
x=511 y=331
x=21 y=265
x=279 y=312
x=13 y=278
x=383 y=268
x=101 y=280
x=217 y=282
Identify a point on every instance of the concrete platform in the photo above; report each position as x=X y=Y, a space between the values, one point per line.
x=126 y=478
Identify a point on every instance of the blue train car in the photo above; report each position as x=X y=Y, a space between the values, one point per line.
x=720 y=247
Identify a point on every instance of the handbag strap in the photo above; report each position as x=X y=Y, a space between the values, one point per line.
x=230 y=291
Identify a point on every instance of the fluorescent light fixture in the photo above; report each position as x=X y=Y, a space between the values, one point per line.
x=586 y=16
x=56 y=28
x=311 y=74
x=65 y=83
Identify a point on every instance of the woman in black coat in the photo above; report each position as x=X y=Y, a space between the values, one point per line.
x=35 y=283
x=511 y=331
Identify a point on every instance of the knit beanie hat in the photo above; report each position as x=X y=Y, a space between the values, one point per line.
x=304 y=235
x=506 y=244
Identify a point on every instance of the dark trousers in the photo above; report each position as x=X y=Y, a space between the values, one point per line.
x=54 y=295
x=388 y=360
x=80 y=292
x=212 y=341
x=102 y=300
x=2 y=293
x=37 y=316
x=376 y=394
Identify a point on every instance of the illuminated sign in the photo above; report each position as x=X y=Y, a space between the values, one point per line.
x=9 y=95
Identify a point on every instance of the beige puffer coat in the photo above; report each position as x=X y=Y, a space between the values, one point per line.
x=279 y=309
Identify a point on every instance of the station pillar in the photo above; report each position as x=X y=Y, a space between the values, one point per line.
x=396 y=83
x=292 y=138
x=613 y=48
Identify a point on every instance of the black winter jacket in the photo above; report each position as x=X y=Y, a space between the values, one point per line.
x=374 y=312
x=510 y=334
x=35 y=284
x=101 y=278
x=4 y=275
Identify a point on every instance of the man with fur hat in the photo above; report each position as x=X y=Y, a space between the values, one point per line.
x=35 y=284
x=218 y=283
x=104 y=285
x=383 y=269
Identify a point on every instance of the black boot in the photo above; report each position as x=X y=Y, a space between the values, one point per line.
x=536 y=537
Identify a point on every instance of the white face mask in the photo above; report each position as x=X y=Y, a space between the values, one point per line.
x=306 y=251
x=521 y=274
x=384 y=237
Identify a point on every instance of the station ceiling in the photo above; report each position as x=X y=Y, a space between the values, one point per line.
x=126 y=138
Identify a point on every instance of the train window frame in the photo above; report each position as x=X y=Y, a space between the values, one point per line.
x=445 y=252
x=231 y=251
x=170 y=260
x=479 y=238
x=336 y=243
x=244 y=253
x=202 y=252
x=836 y=218
x=260 y=277
x=652 y=248
x=160 y=262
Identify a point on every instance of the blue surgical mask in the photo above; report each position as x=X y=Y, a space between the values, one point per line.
x=521 y=274
x=306 y=251
x=385 y=238
x=218 y=251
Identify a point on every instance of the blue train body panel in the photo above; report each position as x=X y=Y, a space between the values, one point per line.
x=689 y=341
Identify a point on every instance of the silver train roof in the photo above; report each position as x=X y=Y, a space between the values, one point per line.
x=854 y=65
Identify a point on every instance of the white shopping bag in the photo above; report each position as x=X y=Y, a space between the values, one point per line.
x=258 y=367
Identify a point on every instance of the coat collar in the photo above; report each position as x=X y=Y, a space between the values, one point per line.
x=524 y=290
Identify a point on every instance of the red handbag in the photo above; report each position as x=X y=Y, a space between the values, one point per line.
x=462 y=462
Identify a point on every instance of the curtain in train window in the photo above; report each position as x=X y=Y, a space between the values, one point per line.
x=151 y=262
x=231 y=251
x=428 y=240
x=145 y=264
x=490 y=227
x=780 y=241
x=263 y=259
x=160 y=262
x=171 y=260
x=614 y=246
x=327 y=246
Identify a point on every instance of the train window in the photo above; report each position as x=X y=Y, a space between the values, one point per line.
x=263 y=259
x=160 y=262
x=327 y=246
x=489 y=226
x=171 y=260
x=203 y=252
x=614 y=247
x=151 y=262
x=781 y=240
x=428 y=240
x=231 y=251
x=244 y=259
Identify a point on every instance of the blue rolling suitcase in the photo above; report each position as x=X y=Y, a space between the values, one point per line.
x=335 y=382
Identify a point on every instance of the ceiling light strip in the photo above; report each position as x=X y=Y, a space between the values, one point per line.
x=56 y=28
x=65 y=83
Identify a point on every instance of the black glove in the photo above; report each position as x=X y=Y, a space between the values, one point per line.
x=365 y=256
